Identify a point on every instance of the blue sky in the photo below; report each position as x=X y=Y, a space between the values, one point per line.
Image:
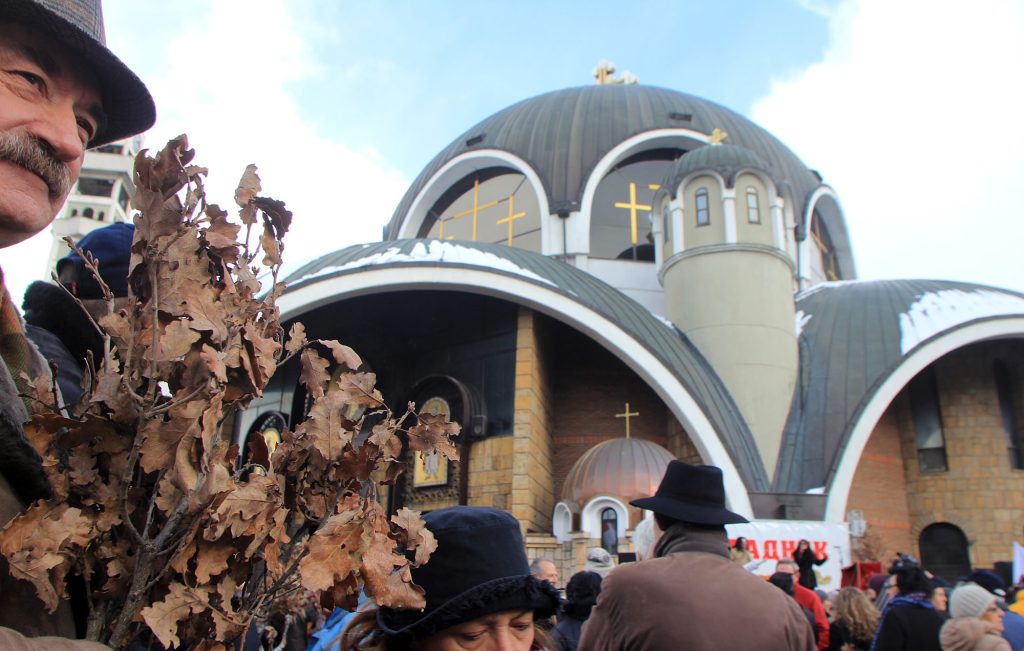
x=909 y=108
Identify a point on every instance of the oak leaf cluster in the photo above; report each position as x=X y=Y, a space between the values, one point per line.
x=176 y=533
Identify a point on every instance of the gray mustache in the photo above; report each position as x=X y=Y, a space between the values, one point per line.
x=36 y=156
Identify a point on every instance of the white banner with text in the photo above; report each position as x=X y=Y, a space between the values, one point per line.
x=770 y=540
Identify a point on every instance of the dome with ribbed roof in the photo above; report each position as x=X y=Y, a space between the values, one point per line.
x=563 y=135
x=725 y=160
x=623 y=468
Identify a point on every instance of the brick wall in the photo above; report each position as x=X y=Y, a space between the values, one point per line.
x=879 y=490
x=533 y=496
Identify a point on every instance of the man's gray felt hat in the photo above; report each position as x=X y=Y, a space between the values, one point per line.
x=78 y=26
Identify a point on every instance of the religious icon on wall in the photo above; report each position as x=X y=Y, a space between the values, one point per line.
x=270 y=426
x=432 y=469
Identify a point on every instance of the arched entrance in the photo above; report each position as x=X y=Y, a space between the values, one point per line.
x=944 y=551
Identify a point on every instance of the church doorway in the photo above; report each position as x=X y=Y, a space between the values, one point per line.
x=944 y=551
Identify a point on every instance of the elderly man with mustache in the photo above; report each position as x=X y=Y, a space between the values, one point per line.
x=61 y=92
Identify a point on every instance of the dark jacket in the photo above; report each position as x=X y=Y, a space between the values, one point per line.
x=806 y=562
x=63 y=333
x=840 y=635
x=691 y=596
x=906 y=627
x=566 y=635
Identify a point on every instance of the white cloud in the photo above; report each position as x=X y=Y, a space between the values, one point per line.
x=224 y=78
x=913 y=117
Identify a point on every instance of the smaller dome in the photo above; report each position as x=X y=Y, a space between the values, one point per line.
x=623 y=468
x=726 y=160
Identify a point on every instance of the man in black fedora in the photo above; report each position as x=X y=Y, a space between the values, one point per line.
x=61 y=92
x=690 y=595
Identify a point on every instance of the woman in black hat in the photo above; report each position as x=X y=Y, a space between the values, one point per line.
x=479 y=591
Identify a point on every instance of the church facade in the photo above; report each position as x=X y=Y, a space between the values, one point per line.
x=600 y=279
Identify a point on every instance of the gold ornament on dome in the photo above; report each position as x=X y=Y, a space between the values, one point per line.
x=717 y=137
x=604 y=74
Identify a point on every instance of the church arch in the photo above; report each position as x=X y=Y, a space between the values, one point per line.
x=823 y=204
x=579 y=237
x=561 y=522
x=556 y=304
x=592 y=520
x=876 y=404
x=465 y=166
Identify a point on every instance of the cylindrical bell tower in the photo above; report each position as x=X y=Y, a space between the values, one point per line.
x=729 y=281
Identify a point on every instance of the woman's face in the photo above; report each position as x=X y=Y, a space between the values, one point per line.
x=510 y=630
x=994 y=615
x=802 y=545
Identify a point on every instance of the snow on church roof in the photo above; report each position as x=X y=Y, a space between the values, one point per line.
x=854 y=335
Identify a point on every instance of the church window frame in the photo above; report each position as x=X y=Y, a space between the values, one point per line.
x=590 y=516
x=1005 y=386
x=753 y=207
x=703 y=205
x=926 y=412
x=610 y=530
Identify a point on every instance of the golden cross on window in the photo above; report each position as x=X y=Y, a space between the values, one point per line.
x=475 y=210
x=511 y=218
x=627 y=414
x=632 y=207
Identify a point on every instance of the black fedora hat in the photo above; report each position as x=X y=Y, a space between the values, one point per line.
x=692 y=494
x=479 y=568
x=78 y=26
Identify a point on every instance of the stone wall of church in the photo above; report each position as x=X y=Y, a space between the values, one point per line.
x=879 y=491
x=533 y=495
x=490 y=473
x=979 y=492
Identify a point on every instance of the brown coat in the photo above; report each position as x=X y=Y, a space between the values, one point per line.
x=693 y=597
x=971 y=634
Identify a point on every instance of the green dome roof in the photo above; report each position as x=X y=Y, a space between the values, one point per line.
x=726 y=160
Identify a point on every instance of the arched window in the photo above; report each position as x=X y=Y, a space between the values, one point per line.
x=87 y=213
x=620 y=217
x=753 y=212
x=561 y=523
x=944 y=551
x=703 y=212
x=824 y=264
x=610 y=530
x=495 y=205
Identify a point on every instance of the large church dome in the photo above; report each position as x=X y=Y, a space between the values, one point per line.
x=564 y=134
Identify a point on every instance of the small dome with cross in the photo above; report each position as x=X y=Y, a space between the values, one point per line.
x=626 y=468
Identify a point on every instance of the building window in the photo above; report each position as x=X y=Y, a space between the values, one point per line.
x=753 y=212
x=96 y=187
x=824 y=263
x=703 y=215
x=1008 y=410
x=610 y=530
x=87 y=213
x=924 y=405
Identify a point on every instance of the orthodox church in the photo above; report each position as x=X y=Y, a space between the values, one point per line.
x=600 y=279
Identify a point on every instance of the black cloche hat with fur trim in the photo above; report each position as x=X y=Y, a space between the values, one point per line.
x=479 y=568
x=78 y=25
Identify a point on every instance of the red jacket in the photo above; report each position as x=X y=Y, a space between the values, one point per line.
x=809 y=600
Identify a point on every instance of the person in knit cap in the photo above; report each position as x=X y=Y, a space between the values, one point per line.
x=1013 y=623
x=977 y=622
x=57 y=325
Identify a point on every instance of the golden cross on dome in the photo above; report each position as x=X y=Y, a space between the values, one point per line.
x=717 y=136
x=627 y=414
x=475 y=210
x=632 y=207
x=511 y=218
